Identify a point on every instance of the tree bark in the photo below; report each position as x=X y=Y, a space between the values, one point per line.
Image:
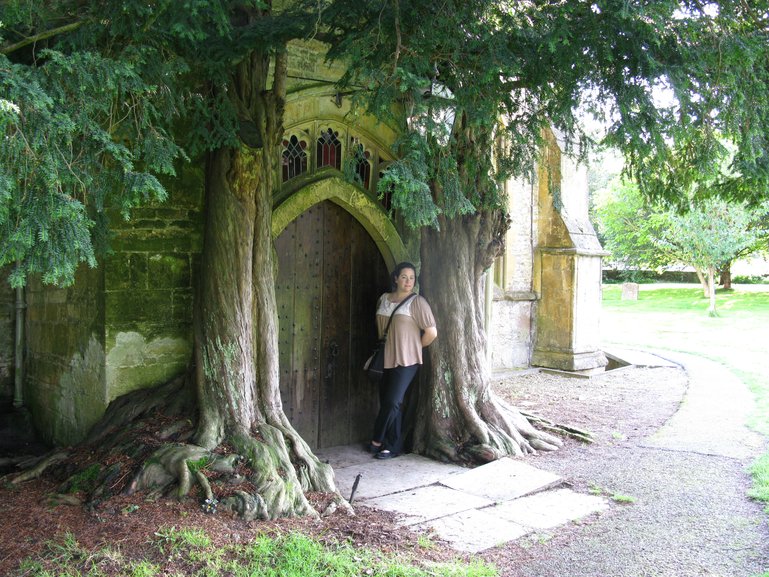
x=236 y=323
x=712 y=291
x=459 y=418
x=725 y=275
x=703 y=282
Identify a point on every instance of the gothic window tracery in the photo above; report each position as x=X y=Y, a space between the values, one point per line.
x=337 y=147
x=361 y=162
x=294 y=157
x=329 y=149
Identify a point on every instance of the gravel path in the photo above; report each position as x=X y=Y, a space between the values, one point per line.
x=689 y=514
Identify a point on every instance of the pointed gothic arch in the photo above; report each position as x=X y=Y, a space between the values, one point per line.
x=355 y=201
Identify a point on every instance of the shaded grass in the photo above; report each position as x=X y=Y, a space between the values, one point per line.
x=676 y=319
x=191 y=552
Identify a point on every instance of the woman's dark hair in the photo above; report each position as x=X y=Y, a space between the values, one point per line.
x=399 y=268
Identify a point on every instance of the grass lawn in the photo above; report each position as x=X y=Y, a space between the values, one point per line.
x=674 y=317
x=191 y=552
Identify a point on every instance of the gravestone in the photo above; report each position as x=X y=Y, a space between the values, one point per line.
x=630 y=291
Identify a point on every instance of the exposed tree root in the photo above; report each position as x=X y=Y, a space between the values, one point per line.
x=142 y=444
x=38 y=468
x=569 y=431
x=181 y=465
x=502 y=430
x=492 y=429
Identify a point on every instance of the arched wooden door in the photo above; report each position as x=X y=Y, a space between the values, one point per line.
x=330 y=276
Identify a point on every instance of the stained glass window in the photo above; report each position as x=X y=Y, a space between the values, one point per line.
x=294 y=157
x=362 y=165
x=329 y=149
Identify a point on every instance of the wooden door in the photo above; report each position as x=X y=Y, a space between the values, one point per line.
x=330 y=276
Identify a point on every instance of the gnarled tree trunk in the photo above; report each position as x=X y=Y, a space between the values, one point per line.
x=459 y=417
x=236 y=322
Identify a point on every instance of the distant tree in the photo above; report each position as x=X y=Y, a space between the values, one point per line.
x=760 y=226
x=708 y=235
x=711 y=233
x=631 y=228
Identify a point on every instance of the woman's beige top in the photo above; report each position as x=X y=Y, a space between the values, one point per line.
x=404 y=339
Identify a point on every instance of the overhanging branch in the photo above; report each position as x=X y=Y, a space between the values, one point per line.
x=41 y=36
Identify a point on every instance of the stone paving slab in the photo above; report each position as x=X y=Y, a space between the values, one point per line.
x=473 y=531
x=471 y=509
x=427 y=503
x=549 y=509
x=502 y=480
x=344 y=456
x=385 y=477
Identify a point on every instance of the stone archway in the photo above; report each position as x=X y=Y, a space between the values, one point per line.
x=361 y=206
x=331 y=270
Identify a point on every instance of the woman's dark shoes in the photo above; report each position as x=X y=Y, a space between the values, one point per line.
x=385 y=455
x=372 y=448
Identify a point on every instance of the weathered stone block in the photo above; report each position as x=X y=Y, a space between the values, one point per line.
x=510 y=336
x=169 y=271
x=137 y=306
x=181 y=311
x=134 y=361
x=630 y=291
x=141 y=241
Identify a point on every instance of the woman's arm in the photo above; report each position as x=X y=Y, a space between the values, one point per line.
x=429 y=335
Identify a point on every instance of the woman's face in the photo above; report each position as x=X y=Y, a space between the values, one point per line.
x=406 y=280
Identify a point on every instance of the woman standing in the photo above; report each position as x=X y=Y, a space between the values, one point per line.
x=412 y=327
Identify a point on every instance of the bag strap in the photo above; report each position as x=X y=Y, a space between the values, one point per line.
x=400 y=304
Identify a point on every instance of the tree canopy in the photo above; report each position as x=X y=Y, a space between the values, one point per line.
x=94 y=94
x=98 y=101
x=672 y=80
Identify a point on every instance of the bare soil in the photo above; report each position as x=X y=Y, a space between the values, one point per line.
x=618 y=408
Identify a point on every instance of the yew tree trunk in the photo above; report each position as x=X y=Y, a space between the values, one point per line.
x=236 y=323
x=459 y=417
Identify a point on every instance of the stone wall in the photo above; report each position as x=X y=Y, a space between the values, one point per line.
x=64 y=385
x=307 y=65
x=7 y=332
x=148 y=289
x=510 y=334
x=123 y=326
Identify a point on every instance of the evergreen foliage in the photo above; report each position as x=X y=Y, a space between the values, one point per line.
x=84 y=132
x=672 y=79
x=98 y=102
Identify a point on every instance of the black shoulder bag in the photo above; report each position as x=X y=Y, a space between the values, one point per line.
x=374 y=366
